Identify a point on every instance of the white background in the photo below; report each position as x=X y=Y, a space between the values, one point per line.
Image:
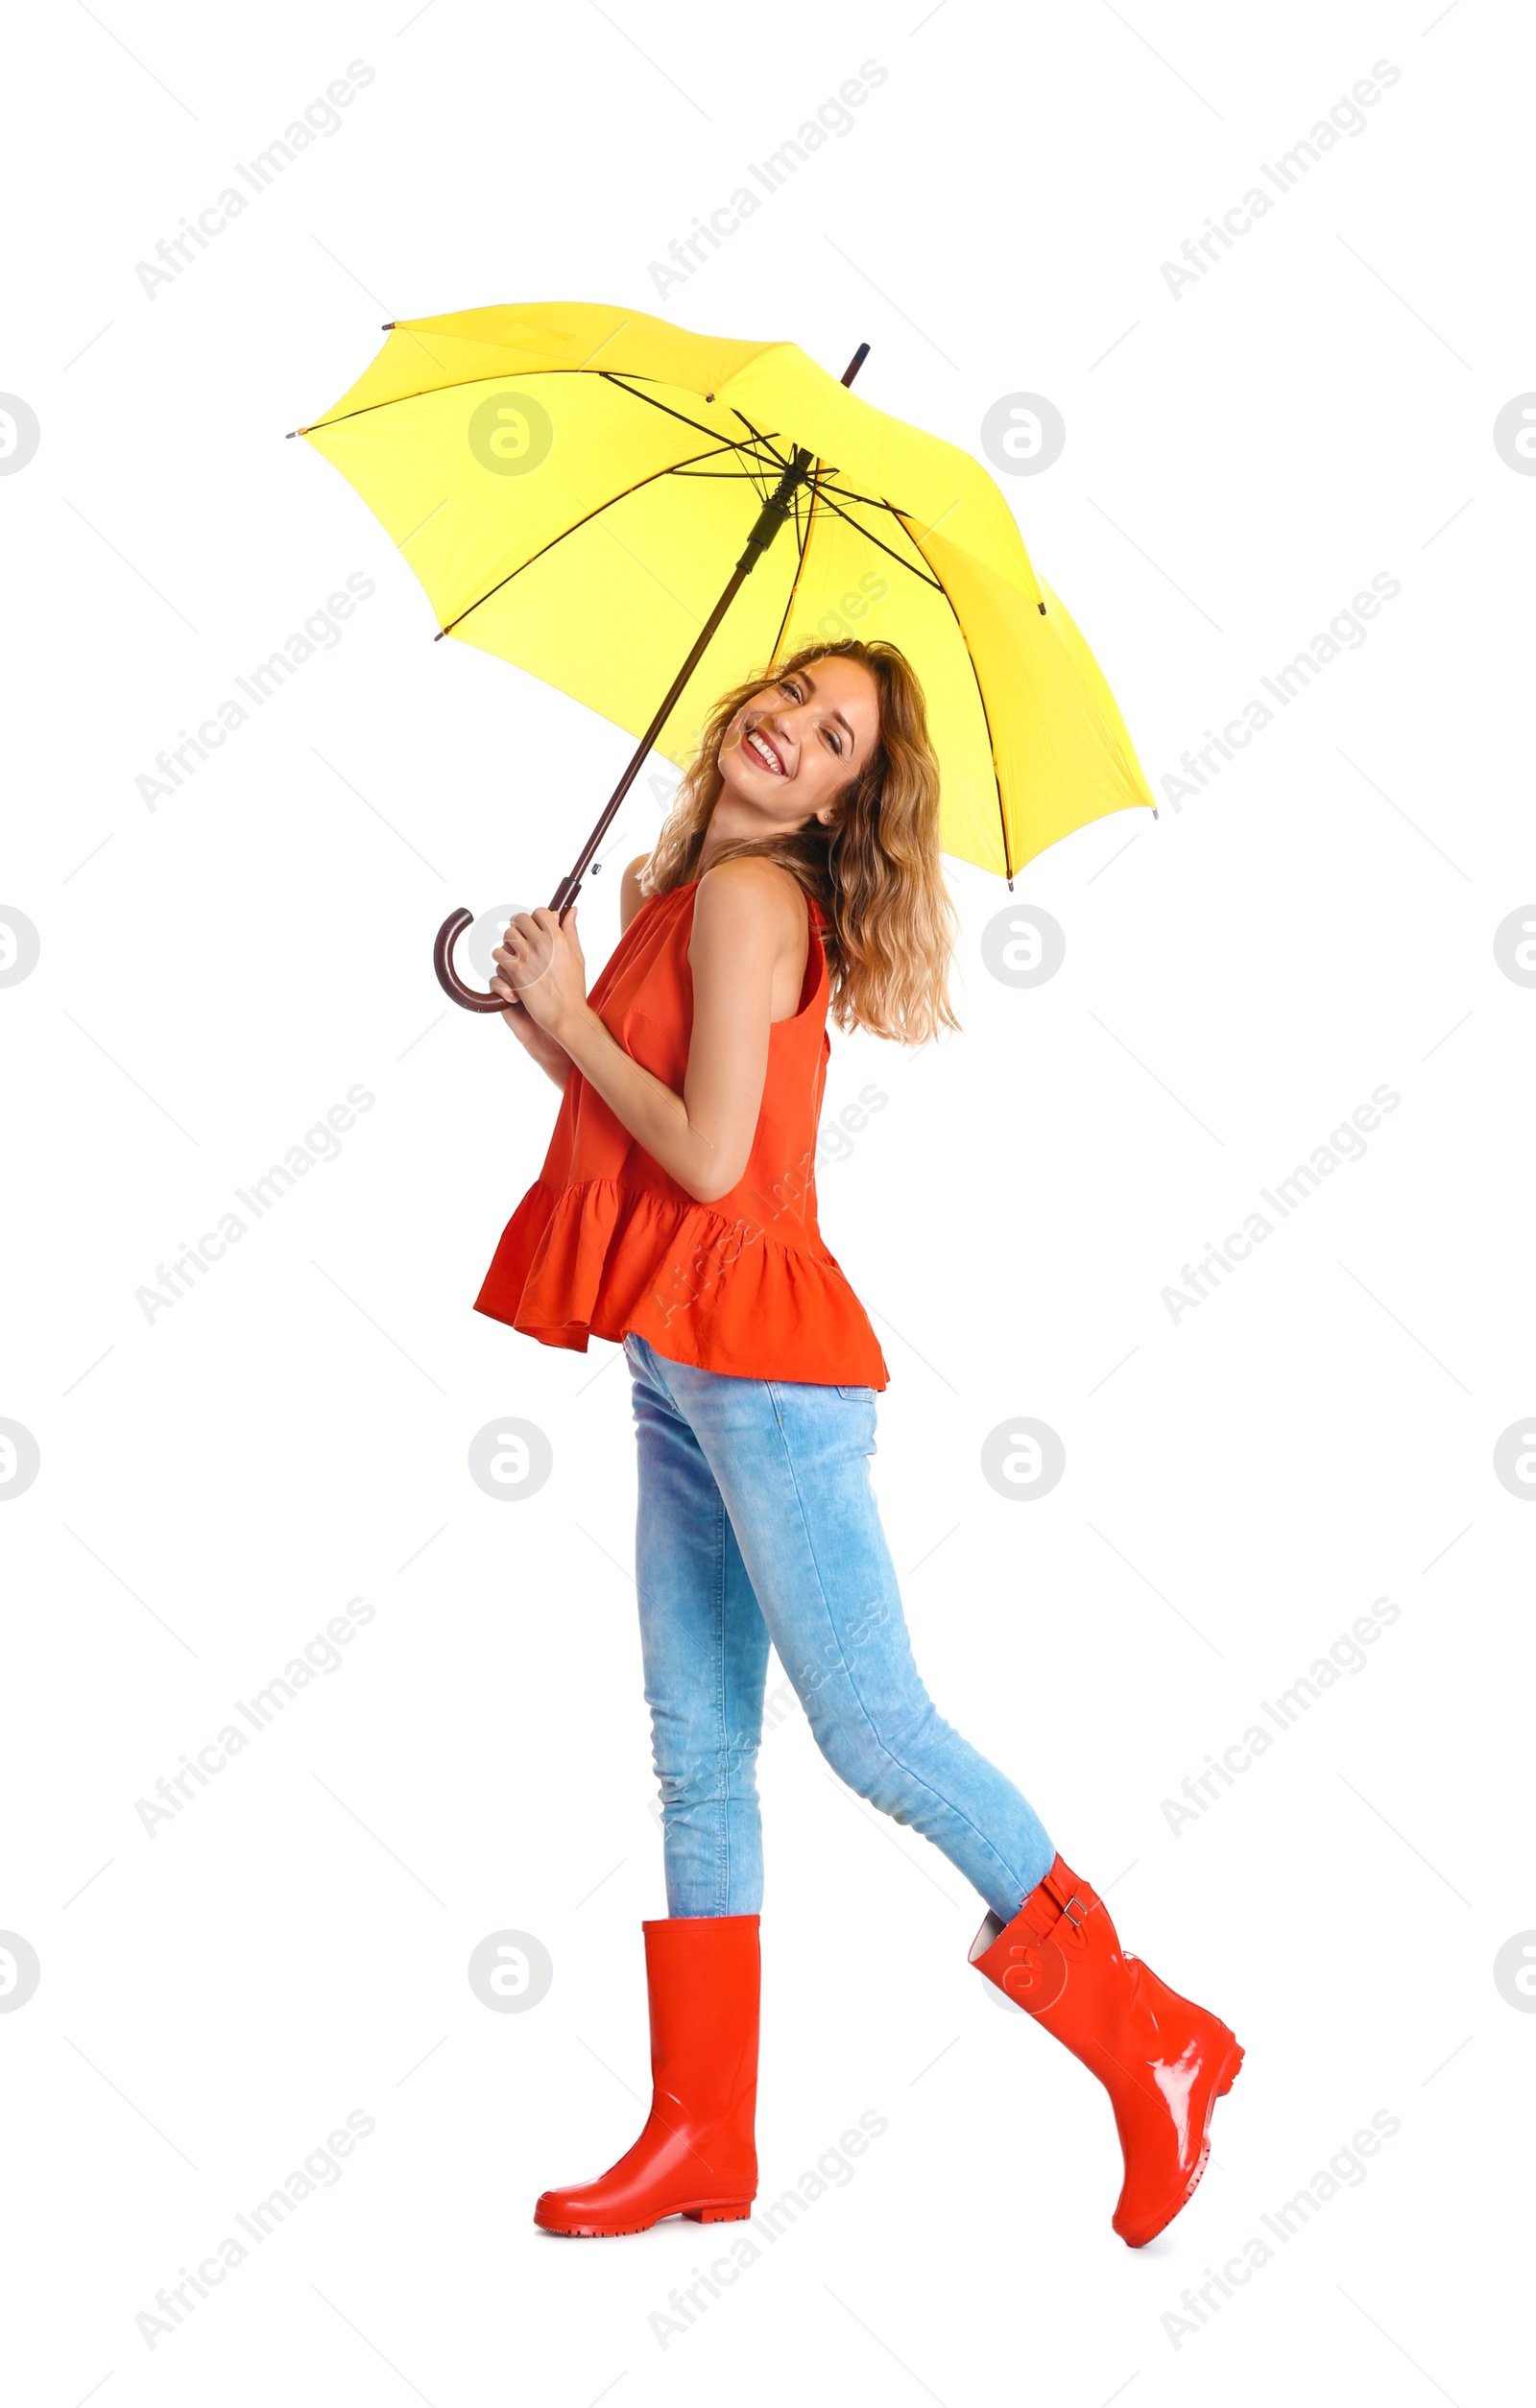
x=1240 y=1484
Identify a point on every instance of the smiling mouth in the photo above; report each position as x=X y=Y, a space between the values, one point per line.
x=763 y=752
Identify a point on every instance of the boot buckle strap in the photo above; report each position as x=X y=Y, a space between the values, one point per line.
x=1074 y=1902
x=1074 y=1915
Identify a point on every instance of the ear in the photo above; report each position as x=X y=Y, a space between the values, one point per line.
x=828 y=814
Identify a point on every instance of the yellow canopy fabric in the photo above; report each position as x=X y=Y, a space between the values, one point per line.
x=573 y=483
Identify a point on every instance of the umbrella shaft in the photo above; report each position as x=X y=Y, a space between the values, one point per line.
x=775 y=510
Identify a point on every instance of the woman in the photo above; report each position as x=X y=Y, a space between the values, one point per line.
x=799 y=870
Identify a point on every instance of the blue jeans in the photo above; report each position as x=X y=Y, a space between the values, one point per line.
x=757 y=1523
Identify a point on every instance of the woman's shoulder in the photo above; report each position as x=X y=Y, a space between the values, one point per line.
x=751 y=892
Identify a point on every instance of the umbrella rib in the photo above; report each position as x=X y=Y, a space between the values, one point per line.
x=871 y=501
x=774 y=460
x=429 y=393
x=925 y=575
x=766 y=441
x=583 y=521
x=425 y=392
x=986 y=717
x=800 y=564
x=777 y=465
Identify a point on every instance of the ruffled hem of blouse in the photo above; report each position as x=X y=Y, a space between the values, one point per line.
x=600 y=1258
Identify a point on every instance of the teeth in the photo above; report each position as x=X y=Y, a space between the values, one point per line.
x=764 y=753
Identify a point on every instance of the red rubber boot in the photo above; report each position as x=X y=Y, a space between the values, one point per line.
x=697 y=2155
x=1164 y=2061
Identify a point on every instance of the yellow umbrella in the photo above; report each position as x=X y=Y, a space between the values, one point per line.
x=571 y=482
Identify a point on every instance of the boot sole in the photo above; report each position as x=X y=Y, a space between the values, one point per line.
x=1231 y=2069
x=714 y=2211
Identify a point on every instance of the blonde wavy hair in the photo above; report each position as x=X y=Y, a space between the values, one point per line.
x=891 y=927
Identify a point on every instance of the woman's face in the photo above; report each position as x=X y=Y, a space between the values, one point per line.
x=789 y=751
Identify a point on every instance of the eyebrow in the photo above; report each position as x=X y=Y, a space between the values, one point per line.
x=836 y=713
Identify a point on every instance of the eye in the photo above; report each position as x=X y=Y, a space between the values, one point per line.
x=788 y=685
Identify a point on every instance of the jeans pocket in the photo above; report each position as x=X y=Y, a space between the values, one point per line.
x=858 y=1395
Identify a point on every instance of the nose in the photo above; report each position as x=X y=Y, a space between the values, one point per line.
x=773 y=724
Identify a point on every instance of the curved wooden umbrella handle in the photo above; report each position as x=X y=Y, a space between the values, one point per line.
x=448 y=979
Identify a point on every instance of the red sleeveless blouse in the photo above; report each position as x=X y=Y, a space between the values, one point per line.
x=605 y=1241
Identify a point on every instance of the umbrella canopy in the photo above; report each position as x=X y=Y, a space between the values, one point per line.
x=571 y=484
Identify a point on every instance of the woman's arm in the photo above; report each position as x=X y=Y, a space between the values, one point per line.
x=551 y=1056
x=629 y=898
x=749 y=919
